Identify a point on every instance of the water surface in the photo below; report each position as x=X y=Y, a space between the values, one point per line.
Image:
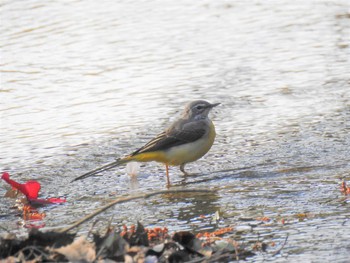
x=84 y=82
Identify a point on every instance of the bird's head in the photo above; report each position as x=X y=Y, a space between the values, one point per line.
x=198 y=109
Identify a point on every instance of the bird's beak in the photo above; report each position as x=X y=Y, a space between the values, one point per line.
x=214 y=105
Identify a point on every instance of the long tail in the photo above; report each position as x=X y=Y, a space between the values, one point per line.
x=102 y=169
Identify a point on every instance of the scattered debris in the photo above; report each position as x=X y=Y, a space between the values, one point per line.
x=130 y=245
x=218 y=232
x=27 y=194
x=35 y=247
x=263 y=219
x=345 y=189
x=129 y=198
x=304 y=216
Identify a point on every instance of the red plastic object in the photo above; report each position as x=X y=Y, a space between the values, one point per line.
x=31 y=190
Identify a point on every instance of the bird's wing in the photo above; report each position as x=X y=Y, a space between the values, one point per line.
x=180 y=132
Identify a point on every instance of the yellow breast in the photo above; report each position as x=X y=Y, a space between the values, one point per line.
x=191 y=152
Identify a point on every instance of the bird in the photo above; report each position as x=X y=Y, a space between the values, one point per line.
x=186 y=140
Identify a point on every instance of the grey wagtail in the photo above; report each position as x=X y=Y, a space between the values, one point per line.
x=184 y=141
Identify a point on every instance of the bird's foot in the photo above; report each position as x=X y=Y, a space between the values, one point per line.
x=182 y=169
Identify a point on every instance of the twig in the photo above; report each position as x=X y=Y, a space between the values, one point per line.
x=92 y=226
x=126 y=199
x=279 y=250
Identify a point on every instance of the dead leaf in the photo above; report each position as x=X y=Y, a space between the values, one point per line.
x=79 y=250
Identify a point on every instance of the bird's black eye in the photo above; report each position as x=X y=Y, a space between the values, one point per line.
x=199 y=107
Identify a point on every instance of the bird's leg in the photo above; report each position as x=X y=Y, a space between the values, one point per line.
x=182 y=169
x=167 y=175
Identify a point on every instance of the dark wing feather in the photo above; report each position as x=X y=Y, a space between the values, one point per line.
x=179 y=133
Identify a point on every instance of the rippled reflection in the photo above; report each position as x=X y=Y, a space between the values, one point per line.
x=84 y=82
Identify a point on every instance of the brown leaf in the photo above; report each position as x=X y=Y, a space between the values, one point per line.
x=79 y=250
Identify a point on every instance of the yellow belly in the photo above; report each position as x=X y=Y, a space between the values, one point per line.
x=181 y=154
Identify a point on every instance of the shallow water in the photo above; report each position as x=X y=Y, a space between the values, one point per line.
x=84 y=82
